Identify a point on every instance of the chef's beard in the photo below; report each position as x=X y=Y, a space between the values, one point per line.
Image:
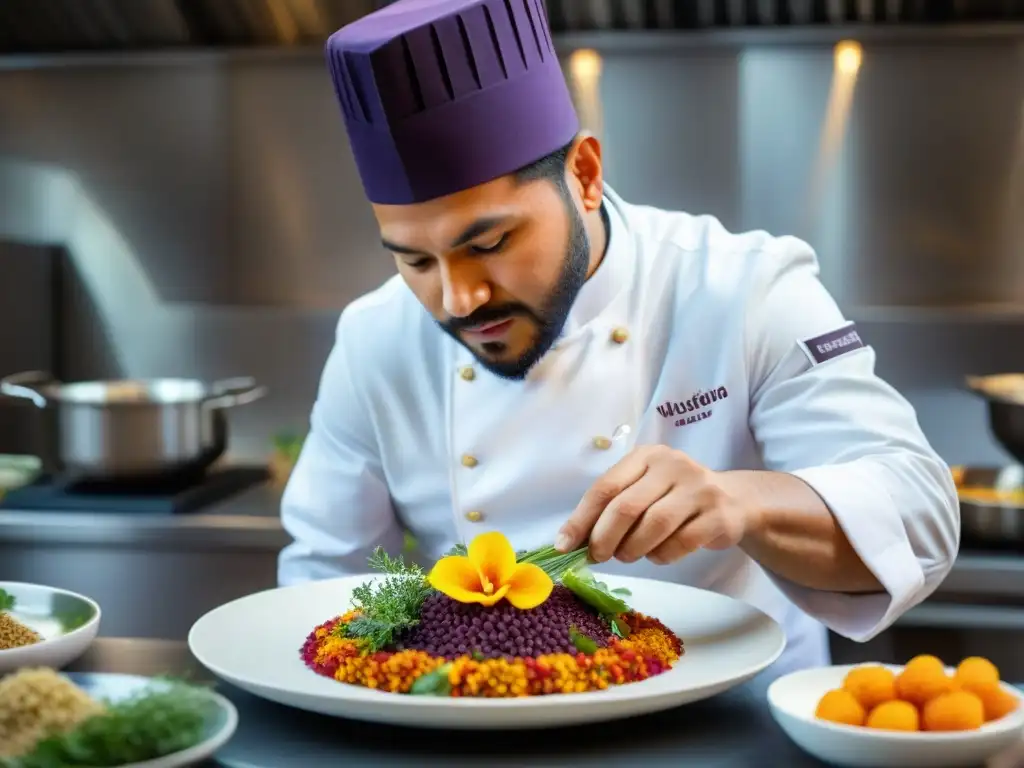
x=548 y=320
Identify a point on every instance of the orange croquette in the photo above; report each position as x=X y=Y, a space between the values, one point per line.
x=953 y=711
x=840 y=706
x=922 y=679
x=974 y=670
x=996 y=701
x=871 y=685
x=894 y=715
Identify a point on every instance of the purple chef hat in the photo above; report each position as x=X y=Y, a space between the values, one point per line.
x=442 y=95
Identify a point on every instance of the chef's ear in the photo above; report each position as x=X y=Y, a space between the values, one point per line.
x=586 y=171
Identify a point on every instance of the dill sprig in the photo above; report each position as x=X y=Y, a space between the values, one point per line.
x=389 y=606
x=152 y=724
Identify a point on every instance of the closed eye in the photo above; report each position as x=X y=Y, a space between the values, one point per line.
x=491 y=248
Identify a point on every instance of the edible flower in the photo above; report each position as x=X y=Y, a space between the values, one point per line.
x=488 y=572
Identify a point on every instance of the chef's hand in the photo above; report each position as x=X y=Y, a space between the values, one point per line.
x=656 y=503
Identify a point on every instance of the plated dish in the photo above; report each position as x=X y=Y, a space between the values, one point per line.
x=48 y=719
x=489 y=622
x=44 y=626
x=255 y=644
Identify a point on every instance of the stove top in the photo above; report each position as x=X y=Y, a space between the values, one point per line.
x=154 y=496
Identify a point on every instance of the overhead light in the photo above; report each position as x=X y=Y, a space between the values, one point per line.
x=848 y=57
x=585 y=64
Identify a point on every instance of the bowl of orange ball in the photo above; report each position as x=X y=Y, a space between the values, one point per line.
x=921 y=715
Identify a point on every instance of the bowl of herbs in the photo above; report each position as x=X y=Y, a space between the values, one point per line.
x=109 y=721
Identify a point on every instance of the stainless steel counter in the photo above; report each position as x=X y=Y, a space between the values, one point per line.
x=154 y=575
x=248 y=520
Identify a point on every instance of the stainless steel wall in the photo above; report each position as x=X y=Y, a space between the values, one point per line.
x=216 y=224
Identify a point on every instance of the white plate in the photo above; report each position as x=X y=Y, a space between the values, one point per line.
x=217 y=731
x=794 y=698
x=68 y=623
x=254 y=643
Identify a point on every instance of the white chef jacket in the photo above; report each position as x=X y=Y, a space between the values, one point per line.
x=687 y=334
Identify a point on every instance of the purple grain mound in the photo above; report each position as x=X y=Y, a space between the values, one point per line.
x=450 y=629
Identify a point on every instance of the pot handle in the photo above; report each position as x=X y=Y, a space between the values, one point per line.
x=231 y=392
x=24 y=385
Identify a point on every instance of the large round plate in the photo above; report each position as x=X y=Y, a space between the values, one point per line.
x=254 y=644
x=217 y=730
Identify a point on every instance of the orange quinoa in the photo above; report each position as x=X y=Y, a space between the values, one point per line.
x=650 y=649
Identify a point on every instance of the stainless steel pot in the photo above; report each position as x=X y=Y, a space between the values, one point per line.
x=111 y=430
x=991 y=508
x=1004 y=394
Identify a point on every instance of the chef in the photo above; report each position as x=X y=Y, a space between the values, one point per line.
x=561 y=365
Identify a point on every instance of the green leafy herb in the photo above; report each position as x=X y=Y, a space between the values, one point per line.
x=556 y=563
x=619 y=628
x=459 y=550
x=433 y=683
x=7 y=601
x=389 y=606
x=583 y=643
x=152 y=724
x=594 y=593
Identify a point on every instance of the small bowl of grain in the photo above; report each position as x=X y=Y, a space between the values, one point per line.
x=44 y=626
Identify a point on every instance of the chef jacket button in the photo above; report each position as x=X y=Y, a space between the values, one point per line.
x=475 y=516
x=467 y=373
x=469 y=461
x=619 y=335
x=602 y=443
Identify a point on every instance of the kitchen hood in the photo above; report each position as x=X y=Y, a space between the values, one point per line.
x=54 y=26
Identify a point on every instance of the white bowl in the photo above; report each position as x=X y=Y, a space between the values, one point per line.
x=794 y=697
x=68 y=623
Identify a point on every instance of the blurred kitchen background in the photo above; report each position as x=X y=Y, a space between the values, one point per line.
x=177 y=199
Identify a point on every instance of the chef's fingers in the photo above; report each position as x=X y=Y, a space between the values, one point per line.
x=660 y=521
x=623 y=474
x=625 y=511
x=698 y=531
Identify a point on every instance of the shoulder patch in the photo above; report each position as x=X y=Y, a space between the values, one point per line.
x=830 y=345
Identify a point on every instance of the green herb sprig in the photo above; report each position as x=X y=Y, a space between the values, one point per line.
x=583 y=643
x=390 y=606
x=153 y=723
x=7 y=601
x=434 y=683
x=554 y=562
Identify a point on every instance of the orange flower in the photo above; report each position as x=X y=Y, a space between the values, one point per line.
x=488 y=573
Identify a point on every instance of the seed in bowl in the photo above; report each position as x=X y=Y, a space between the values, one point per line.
x=13 y=634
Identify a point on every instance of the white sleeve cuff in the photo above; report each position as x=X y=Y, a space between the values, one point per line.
x=867 y=515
